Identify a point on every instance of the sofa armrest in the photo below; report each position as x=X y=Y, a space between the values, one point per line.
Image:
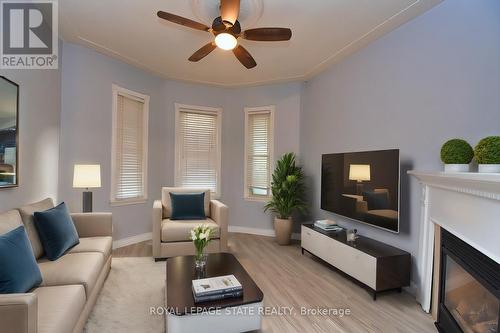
x=219 y=213
x=93 y=224
x=19 y=313
x=157 y=220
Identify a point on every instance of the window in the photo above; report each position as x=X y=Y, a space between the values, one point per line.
x=129 y=146
x=259 y=127
x=198 y=147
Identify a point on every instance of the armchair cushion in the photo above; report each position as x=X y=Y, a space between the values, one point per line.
x=167 y=202
x=187 y=206
x=179 y=231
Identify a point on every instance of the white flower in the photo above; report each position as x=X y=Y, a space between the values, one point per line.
x=203 y=236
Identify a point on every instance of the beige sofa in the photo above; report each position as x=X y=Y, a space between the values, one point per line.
x=62 y=303
x=171 y=238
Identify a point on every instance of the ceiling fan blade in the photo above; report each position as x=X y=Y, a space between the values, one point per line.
x=229 y=11
x=268 y=34
x=182 y=21
x=203 y=52
x=244 y=57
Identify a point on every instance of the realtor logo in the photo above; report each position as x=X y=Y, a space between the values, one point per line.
x=29 y=34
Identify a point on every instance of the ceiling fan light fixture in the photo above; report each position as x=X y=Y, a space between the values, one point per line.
x=226 y=41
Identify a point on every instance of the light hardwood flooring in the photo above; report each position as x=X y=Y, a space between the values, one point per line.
x=290 y=279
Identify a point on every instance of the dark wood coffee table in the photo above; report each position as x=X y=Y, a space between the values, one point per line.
x=229 y=315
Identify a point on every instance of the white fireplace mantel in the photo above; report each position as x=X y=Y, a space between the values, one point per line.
x=465 y=204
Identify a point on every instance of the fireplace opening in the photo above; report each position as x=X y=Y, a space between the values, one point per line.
x=469 y=289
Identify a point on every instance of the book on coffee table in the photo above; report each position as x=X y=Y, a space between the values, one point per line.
x=215 y=297
x=218 y=287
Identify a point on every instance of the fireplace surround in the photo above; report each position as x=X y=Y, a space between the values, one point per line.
x=469 y=293
x=466 y=205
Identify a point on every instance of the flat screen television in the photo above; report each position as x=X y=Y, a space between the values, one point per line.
x=363 y=186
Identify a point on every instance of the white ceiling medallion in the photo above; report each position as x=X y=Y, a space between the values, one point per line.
x=207 y=10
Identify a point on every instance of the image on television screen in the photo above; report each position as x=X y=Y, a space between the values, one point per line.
x=363 y=186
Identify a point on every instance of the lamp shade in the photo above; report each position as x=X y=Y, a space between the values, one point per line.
x=87 y=176
x=359 y=172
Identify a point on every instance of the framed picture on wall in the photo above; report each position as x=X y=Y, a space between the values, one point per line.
x=9 y=133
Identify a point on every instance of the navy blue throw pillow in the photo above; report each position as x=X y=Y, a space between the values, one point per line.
x=56 y=230
x=188 y=206
x=377 y=200
x=19 y=272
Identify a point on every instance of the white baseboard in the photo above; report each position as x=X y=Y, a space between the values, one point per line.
x=244 y=230
x=258 y=231
x=412 y=289
x=132 y=240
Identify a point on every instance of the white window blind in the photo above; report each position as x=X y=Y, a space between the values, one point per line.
x=259 y=151
x=198 y=155
x=129 y=161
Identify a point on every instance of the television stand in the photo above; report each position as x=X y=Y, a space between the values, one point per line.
x=377 y=266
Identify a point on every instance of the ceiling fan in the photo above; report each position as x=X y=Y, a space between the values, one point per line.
x=227 y=30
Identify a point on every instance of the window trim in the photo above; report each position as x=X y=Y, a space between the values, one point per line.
x=271 y=109
x=202 y=110
x=118 y=90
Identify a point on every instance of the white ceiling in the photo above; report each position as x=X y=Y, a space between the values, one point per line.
x=324 y=32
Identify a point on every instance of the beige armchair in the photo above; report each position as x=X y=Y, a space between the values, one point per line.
x=172 y=238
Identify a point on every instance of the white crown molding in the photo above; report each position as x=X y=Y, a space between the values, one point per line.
x=413 y=10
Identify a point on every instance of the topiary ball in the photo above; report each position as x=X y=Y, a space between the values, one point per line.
x=487 y=150
x=456 y=151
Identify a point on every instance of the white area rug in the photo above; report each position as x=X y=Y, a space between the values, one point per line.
x=133 y=286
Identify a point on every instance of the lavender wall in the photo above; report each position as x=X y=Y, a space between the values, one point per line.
x=39 y=116
x=434 y=78
x=86 y=133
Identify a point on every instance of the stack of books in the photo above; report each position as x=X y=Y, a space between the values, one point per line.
x=327 y=225
x=215 y=288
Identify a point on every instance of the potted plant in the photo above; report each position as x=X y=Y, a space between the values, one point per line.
x=287 y=188
x=456 y=155
x=487 y=153
x=200 y=236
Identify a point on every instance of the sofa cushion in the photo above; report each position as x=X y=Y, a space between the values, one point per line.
x=167 y=204
x=59 y=308
x=56 y=230
x=27 y=217
x=9 y=221
x=94 y=244
x=180 y=231
x=73 y=268
x=18 y=269
x=187 y=206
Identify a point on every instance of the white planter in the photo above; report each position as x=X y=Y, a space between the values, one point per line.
x=489 y=168
x=454 y=168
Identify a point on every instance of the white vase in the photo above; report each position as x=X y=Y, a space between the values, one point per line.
x=489 y=168
x=454 y=168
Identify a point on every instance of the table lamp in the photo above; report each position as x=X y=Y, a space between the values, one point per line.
x=87 y=176
x=359 y=173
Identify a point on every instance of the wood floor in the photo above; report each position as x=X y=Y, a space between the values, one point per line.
x=290 y=279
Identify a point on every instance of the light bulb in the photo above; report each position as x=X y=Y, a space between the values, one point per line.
x=225 y=41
